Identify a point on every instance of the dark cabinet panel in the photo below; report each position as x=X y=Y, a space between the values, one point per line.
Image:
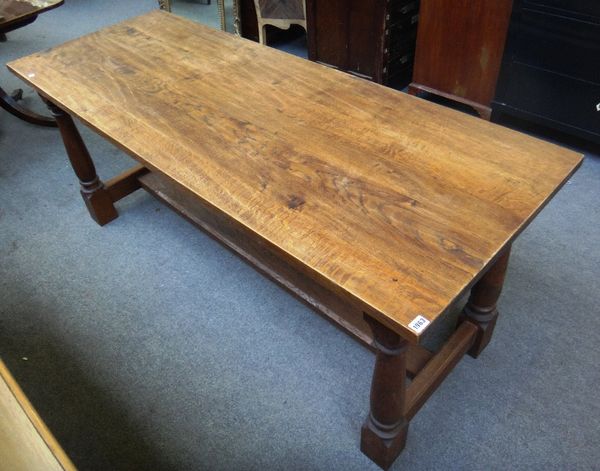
x=459 y=49
x=373 y=39
x=365 y=36
x=556 y=97
x=551 y=68
x=248 y=19
x=572 y=8
x=559 y=44
x=328 y=32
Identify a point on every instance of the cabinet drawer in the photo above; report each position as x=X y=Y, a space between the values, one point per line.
x=558 y=44
x=555 y=97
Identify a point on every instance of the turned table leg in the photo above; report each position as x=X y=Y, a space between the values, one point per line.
x=383 y=434
x=96 y=197
x=481 y=308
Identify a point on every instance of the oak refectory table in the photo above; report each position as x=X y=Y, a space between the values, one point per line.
x=378 y=209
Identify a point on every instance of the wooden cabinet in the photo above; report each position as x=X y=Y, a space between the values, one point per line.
x=551 y=68
x=459 y=50
x=372 y=39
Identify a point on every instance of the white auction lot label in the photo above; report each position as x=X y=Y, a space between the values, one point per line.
x=418 y=324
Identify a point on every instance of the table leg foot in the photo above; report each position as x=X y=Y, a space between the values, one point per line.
x=481 y=308
x=95 y=195
x=381 y=450
x=383 y=434
x=98 y=202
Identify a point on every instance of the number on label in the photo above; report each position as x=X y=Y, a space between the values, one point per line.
x=418 y=324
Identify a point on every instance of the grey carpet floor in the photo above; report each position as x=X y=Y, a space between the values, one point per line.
x=146 y=345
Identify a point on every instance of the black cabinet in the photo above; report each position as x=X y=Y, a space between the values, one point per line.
x=551 y=66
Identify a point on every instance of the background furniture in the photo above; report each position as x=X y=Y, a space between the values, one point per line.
x=246 y=18
x=26 y=444
x=15 y=14
x=279 y=13
x=367 y=38
x=167 y=6
x=551 y=69
x=459 y=50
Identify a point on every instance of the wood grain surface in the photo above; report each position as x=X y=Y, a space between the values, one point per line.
x=391 y=202
x=26 y=444
x=259 y=255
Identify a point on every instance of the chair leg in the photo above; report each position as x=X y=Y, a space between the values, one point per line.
x=221 y=8
x=262 y=34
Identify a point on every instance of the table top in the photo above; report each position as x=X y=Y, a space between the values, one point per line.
x=393 y=202
x=14 y=11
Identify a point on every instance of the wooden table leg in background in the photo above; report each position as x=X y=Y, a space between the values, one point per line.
x=481 y=308
x=383 y=434
x=9 y=103
x=96 y=196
